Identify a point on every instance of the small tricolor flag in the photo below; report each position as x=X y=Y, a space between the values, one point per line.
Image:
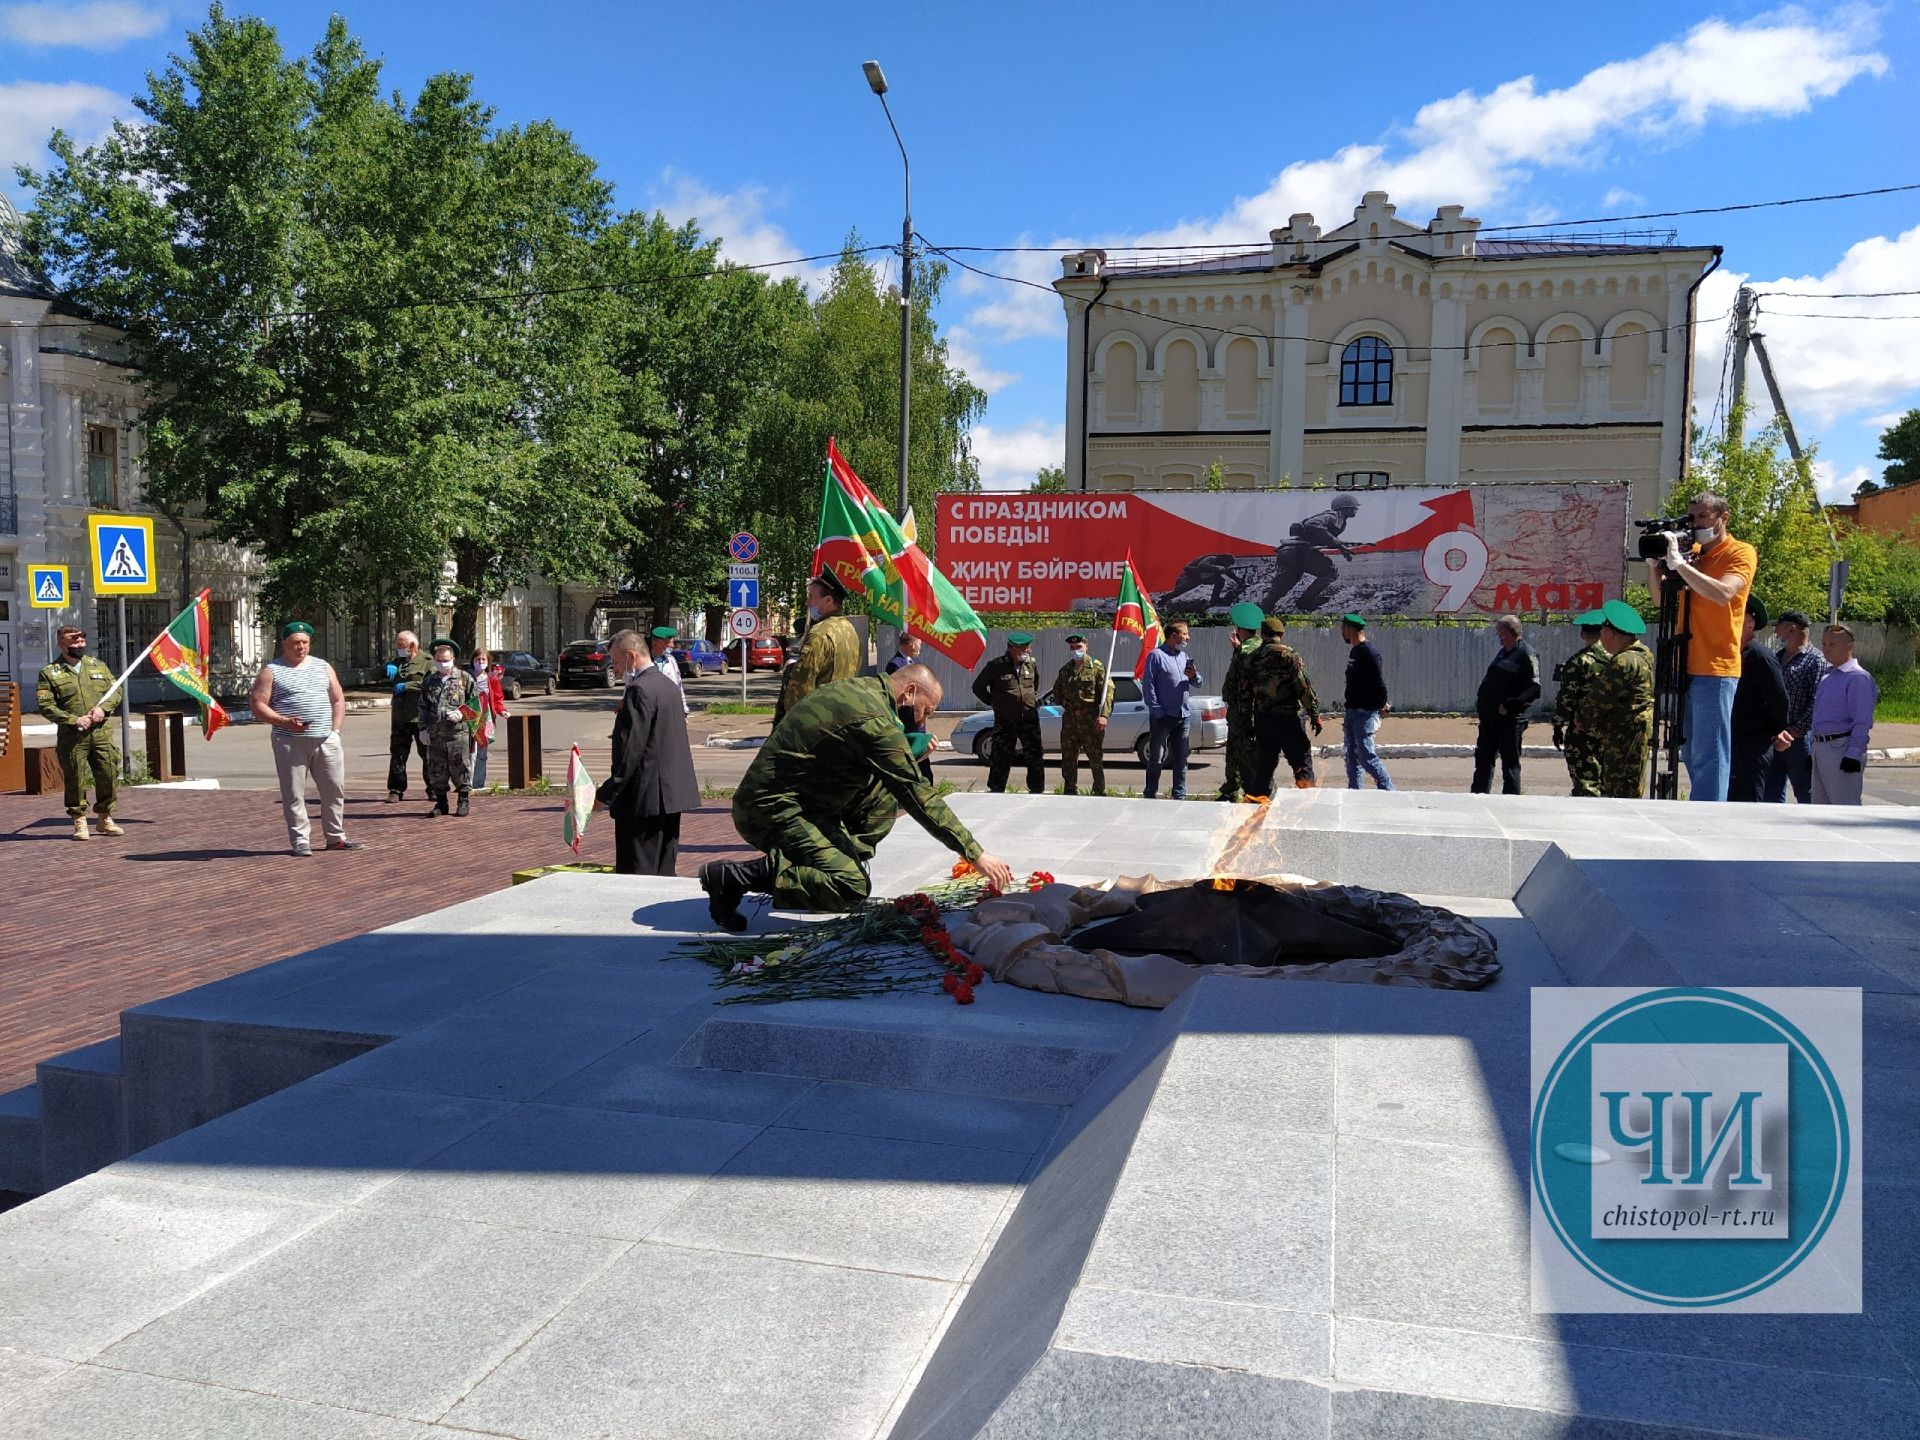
x=1135 y=614
x=181 y=654
x=579 y=801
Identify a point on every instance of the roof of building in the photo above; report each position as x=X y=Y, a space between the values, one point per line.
x=15 y=277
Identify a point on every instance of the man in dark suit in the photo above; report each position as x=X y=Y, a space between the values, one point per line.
x=1759 y=709
x=652 y=783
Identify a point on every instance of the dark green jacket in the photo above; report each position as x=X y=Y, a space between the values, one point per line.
x=406 y=694
x=828 y=755
x=1007 y=687
x=66 y=692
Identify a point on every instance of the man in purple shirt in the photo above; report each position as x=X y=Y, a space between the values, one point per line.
x=1164 y=685
x=1842 y=721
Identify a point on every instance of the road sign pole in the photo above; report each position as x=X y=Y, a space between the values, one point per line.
x=126 y=700
x=745 y=647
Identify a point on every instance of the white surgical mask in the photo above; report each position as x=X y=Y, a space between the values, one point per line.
x=813 y=612
x=1078 y=655
x=1704 y=534
x=445 y=667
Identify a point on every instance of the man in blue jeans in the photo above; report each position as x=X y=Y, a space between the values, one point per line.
x=1165 y=684
x=1366 y=701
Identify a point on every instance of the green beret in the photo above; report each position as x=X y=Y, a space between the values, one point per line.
x=1076 y=639
x=295 y=627
x=1591 y=617
x=1623 y=617
x=1019 y=637
x=443 y=640
x=1358 y=622
x=664 y=632
x=1246 y=615
x=1273 y=625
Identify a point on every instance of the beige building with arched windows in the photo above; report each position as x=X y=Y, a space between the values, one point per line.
x=1382 y=353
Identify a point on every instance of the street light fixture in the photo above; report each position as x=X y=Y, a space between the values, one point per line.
x=877 y=82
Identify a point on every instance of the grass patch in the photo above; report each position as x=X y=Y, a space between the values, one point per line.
x=1899 y=702
x=736 y=707
x=716 y=792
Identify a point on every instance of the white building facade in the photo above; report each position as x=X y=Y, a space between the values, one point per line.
x=1384 y=353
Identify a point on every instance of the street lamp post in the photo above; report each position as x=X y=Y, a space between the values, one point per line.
x=877 y=82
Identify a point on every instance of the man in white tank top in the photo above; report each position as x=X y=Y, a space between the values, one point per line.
x=298 y=694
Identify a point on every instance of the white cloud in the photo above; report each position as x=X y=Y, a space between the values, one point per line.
x=1860 y=370
x=738 y=219
x=1619 y=198
x=1838 y=489
x=31 y=110
x=1009 y=459
x=962 y=355
x=1478 y=149
x=104 y=26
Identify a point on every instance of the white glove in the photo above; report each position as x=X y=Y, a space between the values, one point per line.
x=1674 y=558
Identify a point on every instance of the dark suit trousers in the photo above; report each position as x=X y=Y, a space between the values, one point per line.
x=1747 y=775
x=646 y=845
x=400 y=752
x=1501 y=737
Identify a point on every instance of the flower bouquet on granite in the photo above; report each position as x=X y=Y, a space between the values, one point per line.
x=886 y=945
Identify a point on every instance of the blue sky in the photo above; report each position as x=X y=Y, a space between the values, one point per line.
x=1136 y=123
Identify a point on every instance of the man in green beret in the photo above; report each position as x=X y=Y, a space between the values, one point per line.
x=1277 y=677
x=1085 y=699
x=1009 y=685
x=1241 y=748
x=298 y=694
x=1617 y=707
x=1575 y=676
x=73 y=692
x=1364 y=705
x=831 y=650
x=444 y=697
x=824 y=791
x=660 y=646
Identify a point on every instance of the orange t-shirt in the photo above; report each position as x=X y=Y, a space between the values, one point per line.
x=1714 y=648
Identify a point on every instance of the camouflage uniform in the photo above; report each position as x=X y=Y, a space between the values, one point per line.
x=1012 y=689
x=1617 y=712
x=1085 y=698
x=1277 y=683
x=443 y=733
x=825 y=789
x=830 y=652
x=1242 y=750
x=66 y=692
x=1577 y=674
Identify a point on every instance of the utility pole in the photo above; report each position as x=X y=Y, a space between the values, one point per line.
x=1746 y=305
x=877 y=82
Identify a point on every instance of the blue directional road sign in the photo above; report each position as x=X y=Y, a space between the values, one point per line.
x=743 y=594
x=122 y=555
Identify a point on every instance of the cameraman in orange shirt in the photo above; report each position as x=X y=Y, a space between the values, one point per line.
x=1719 y=570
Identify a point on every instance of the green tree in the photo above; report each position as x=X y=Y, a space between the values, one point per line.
x=1900 y=447
x=296 y=262
x=1772 y=505
x=1049 y=480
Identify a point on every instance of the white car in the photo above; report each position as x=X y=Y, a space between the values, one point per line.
x=1126 y=726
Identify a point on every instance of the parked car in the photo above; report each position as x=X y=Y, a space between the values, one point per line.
x=586 y=662
x=764 y=652
x=698 y=657
x=1126 y=726
x=521 y=672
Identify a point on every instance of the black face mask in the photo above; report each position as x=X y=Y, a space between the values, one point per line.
x=76 y=652
x=907 y=717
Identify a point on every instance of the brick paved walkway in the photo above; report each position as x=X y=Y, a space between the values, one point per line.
x=201 y=886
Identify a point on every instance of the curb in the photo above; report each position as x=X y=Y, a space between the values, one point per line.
x=1536 y=752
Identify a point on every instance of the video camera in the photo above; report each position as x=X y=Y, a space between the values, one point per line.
x=1654 y=533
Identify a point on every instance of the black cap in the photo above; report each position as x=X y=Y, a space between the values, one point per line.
x=1795 y=617
x=830 y=582
x=1757 y=609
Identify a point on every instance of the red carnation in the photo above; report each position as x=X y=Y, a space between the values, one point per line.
x=963 y=994
x=974 y=973
x=950 y=983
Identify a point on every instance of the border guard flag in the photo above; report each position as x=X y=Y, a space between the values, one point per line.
x=579 y=801
x=1135 y=614
x=862 y=545
x=181 y=654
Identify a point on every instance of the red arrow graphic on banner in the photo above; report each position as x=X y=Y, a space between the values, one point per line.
x=1446 y=513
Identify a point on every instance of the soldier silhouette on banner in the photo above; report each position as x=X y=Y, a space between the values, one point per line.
x=1305 y=554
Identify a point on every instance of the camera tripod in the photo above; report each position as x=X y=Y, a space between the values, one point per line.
x=1671 y=633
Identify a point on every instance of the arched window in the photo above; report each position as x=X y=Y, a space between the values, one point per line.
x=1497 y=352
x=1561 y=389
x=1180 y=388
x=1366 y=372
x=1243 y=380
x=1123 y=381
x=1627 y=376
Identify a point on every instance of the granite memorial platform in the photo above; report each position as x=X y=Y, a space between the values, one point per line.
x=509 y=1169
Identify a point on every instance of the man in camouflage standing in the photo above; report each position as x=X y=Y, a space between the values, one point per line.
x=1616 y=708
x=1277 y=680
x=72 y=693
x=1009 y=685
x=831 y=650
x=1085 y=699
x=824 y=791
x=444 y=696
x=1241 y=749
x=1575 y=676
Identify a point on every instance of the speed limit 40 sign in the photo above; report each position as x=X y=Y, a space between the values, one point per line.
x=745 y=624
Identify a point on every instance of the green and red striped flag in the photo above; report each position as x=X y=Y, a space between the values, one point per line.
x=861 y=543
x=1135 y=614
x=181 y=654
x=580 y=788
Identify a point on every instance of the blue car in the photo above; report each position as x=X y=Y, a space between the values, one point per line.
x=698 y=657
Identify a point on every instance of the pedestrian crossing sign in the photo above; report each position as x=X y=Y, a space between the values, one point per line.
x=122 y=555
x=47 y=587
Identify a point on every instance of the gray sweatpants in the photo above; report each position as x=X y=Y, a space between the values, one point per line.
x=297 y=756
x=1831 y=784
